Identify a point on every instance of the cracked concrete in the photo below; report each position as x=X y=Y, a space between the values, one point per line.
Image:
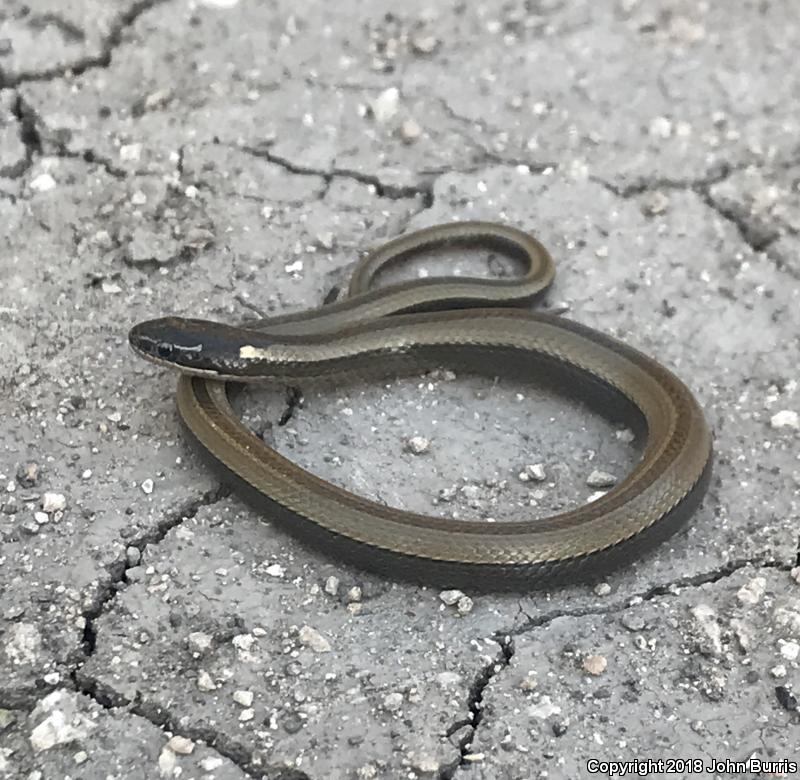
x=231 y=159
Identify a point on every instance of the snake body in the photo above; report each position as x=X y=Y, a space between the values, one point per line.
x=463 y=323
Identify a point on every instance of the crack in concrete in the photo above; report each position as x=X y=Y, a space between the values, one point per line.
x=249 y=761
x=505 y=638
x=101 y=60
x=759 y=237
x=117 y=570
x=28 y=135
x=35 y=145
x=423 y=190
x=475 y=704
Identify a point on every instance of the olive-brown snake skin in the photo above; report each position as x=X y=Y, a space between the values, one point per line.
x=462 y=323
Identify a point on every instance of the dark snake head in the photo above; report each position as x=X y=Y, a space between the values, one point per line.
x=177 y=342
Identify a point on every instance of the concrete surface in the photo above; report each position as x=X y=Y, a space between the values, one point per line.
x=220 y=158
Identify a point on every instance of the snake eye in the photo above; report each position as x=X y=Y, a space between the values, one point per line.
x=164 y=349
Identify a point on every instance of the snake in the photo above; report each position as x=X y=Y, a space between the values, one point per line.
x=483 y=325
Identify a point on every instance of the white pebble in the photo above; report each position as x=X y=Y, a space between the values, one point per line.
x=44 y=182
x=244 y=698
x=275 y=570
x=789 y=650
x=147 y=486
x=181 y=745
x=384 y=107
x=786 y=418
x=418 y=445
x=451 y=597
x=53 y=502
x=313 y=639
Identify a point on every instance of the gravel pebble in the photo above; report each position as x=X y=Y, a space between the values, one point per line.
x=244 y=698
x=752 y=591
x=332 y=585
x=451 y=597
x=785 y=419
x=418 y=445
x=181 y=745
x=205 y=682
x=595 y=664
x=147 y=486
x=313 y=639
x=601 y=479
x=385 y=106
x=54 y=502
x=392 y=702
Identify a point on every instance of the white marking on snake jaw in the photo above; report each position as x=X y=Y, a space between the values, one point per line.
x=249 y=352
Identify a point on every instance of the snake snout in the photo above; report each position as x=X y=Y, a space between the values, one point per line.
x=169 y=340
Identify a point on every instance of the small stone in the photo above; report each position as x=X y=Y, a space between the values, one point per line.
x=707 y=622
x=246 y=715
x=64 y=722
x=138 y=198
x=166 y=762
x=595 y=664
x=354 y=594
x=199 y=642
x=332 y=585
x=147 y=486
x=424 y=44
x=632 y=621
x=410 y=131
x=795 y=574
x=533 y=471
x=660 y=127
x=789 y=650
x=392 y=702
x=205 y=682
x=602 y=589
x=655 y=203
x=474 y=758
x=133 y=556
x=785 y=419
x=778 y=671
x=545 y=708
x=180 y=745
x=130 y=152
x=751 y=592
x=42 y=518
x=313 y=639
x=601 y=479
x=244 y=698
x=464 y=605
x=28 y=474
x=275 y=570
x=385 y=106
x=418 y=445
x=80 y=757
x=529 y=682
x=210 y=763
x=54 y=502
x=425 y=764
x=448 y=679
x=626 y=435
x=199 y=238
x=44 y=182
x=294 y=268
x=450 y=597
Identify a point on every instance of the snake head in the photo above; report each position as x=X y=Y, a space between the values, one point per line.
x=177 y=342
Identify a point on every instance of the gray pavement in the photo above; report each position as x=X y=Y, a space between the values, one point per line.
x=217 y=158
